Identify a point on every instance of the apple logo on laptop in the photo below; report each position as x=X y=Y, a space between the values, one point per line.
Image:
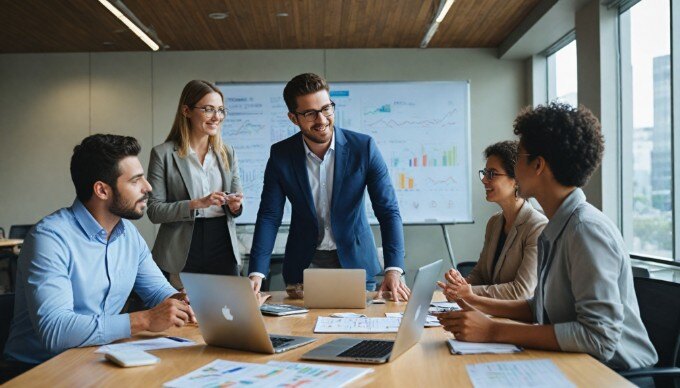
x=227 y=313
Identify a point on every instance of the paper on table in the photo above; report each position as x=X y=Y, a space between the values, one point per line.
x=150 y=344
x=440 y=306
x=461 y=347
x=322 y=375
x=430 y=321
x=225 y=373
x=527 y=374
x=356 y=325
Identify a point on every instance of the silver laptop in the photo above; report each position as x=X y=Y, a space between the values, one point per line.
x=410 y=329
x=334 y=288
x=229 y=316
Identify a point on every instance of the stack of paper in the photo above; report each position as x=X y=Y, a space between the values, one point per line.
x=357 y=325
x=525 y=374
x=150 y=344
x=225 y=373
x=444 y=306
x=430 y=321
x=460 y=347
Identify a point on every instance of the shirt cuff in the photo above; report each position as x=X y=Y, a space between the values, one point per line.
x=258 y=274
x=564 y=333
x=116 y=327
x=401 y=271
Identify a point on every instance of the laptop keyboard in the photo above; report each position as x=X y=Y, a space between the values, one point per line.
x=369 y=349
x=279 y=341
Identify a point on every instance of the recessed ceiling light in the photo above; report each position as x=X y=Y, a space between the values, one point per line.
x=282 y=14
x=218 y=15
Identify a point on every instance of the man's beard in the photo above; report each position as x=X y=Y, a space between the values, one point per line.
x=126 y=209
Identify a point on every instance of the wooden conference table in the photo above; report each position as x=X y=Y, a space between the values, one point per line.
x=428 y=363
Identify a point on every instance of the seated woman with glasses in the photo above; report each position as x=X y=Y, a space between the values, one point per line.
x=196 y=189
x=507 y=264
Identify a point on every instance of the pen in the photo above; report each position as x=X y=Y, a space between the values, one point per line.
x=177 y=339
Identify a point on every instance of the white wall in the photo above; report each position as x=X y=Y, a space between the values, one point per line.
x=49 y=102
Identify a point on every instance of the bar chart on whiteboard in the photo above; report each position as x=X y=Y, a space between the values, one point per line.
x=421 y=128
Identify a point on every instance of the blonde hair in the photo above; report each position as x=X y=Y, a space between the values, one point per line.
x=179 y=134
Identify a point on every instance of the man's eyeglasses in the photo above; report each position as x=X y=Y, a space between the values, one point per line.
x=311 y=114
x=489 y=174
x=209 y=111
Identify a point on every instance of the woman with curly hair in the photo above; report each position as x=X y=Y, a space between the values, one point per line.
x=584 y=300
x=506 y=268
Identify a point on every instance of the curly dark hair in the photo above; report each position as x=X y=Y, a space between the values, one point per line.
x=506 y=151
x=96 y=159
x=302 y=85
x=569 y=139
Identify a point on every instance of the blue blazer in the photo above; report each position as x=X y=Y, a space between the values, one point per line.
x=358 y=165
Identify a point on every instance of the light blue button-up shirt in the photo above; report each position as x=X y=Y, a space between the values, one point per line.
x=72 y=284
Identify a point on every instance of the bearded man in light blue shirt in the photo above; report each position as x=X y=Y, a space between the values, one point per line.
x=79 y=264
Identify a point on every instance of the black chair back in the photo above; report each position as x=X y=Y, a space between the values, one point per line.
x=19 y=231
x=640 y=272
x=6 y=314
x=659 y=303
x=466 y=267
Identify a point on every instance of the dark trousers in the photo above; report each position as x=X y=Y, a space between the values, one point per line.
x=211 y=251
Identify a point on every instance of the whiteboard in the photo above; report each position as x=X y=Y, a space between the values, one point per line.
x=422 y=130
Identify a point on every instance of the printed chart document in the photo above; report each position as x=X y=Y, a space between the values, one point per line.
x=527 y=374
x=150 y=344
x=223 y=373
x=322 y=375
x=444 y=306
x=357 y=325
x=430 y=321
x=461 y=347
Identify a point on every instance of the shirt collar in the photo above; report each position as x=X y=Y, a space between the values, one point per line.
x=309 y=152
x=90 y=226
x=561 y=217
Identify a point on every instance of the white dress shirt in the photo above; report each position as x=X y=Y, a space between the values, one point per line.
x=206 y=178
x=320 y=174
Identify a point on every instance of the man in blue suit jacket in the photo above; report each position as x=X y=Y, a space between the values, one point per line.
x=324 y=171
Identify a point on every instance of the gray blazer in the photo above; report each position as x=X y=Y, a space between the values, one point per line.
x=170 y=179
x=585 y=287
x=514 y=277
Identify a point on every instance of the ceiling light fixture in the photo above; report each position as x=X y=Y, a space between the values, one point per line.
x=218 y=15
x=282 y=14
x=441 y=14
x=130 y=20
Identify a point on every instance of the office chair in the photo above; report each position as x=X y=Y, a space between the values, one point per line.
x=659 y=303
x=8 y=369
x=15 y=232
x=640 y=272
x=466 y=267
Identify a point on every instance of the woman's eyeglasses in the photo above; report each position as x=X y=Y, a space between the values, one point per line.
x=489 y=174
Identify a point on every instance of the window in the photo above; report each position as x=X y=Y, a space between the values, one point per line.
x=645 y=40
x=562 y=74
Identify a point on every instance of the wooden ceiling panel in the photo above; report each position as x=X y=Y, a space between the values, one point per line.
x=84 y=25
x=310 y=24
x=481 y=23
x=62 y=26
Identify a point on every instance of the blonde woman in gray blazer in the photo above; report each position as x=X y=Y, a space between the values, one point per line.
x=507 y=264
x=196 y=190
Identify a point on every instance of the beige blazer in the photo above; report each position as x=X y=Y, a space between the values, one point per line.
x=169 y=176
x=515 y=274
